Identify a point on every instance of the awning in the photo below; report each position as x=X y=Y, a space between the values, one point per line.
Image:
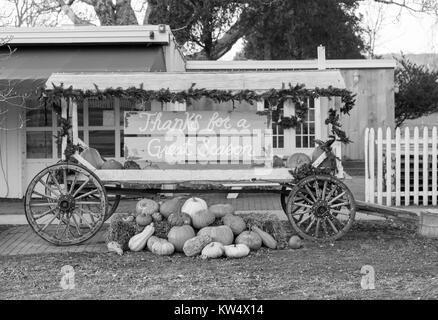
x=36 y=64
x=209 y=80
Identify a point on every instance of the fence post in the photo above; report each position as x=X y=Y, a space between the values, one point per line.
x=367 y=163
x=379 y=166
x=434 y=166
x=416 y=164
x=397 y=166
x=425 y=164
x=388 y=167
x=372 y=177
x=407 y=166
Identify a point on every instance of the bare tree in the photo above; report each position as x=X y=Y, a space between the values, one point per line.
x=30 y=13
x=373 y=20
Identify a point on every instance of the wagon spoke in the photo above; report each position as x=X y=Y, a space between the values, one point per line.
x=324 y=190
x=337 y=197
x=317 y=190
x=304 y=220
x=87 y=203
x=310 y=225
x=48 y=223
x=87 y=194
x=318 y=221
x=73 y=183
x=81 y=187
x=44 y=195
x=55 y=181
x=332 y=225
x=45 y=213
x=47 y=204
x=64 y=175
x=339 y=204
x=310 y=193
x=302 y=205
x=76 y=225
x=48 y=187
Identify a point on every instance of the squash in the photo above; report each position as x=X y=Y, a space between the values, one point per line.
x=93 y=157
x=131 y=165
x=236 y=251
x=251 y=239
x=162 y=247
x=221 y=210
x=179 y=219
x=138 y=242
x=146 y=206
x=111 y=165
x=143 y=219
x=202 y=218
x=295 y=242
x=267 y=239
x=236 y=223
x=212 y=250
x=156 y=216
x=151 y=241
x=222 y=234
x=193 y=205
x=179 y=235
x=194 y=246
x=171 y=206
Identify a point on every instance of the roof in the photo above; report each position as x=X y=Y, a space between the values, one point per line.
x=159 y=34
x=251 y=65
x=209 y=80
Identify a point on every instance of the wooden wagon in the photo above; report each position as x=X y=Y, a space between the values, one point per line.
x=68 y=202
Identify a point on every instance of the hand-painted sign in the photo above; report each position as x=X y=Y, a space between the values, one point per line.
x=194 y=136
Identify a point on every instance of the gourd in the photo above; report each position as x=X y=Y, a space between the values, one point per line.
x=179 y=219
x=295 y=242
x=111 y=165
x=236 y=223
x=151 y=241
x=267 y=239
x=93 y=157
x=162 y=247
x=249 y=238
x=171 y=206
x=130 y=164
x=146 y=206
x=212 y=250
x=236 y=251
x=202 y=218
x=221 y=210
x=193 y=205
x=138 y=242
x=143 y=219
x=194 y=246
x=222 y=234
x=156 y=216
x=179 y=235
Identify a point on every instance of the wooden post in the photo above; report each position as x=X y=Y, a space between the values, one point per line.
x=321 y=58
x=74 y=121
x=63 y=116
x=434 y=165
x=367 y=162
x=397 y=167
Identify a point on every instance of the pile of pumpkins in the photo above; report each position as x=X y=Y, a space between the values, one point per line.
x=191 y=231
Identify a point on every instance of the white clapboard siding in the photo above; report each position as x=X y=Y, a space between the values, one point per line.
x=401 y=166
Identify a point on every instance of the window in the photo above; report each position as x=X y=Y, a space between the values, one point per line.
x=305 y=132
x=39 y=130
x=277 y=131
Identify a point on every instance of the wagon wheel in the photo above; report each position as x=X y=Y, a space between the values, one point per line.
x=325 y=205
x=63 y=215
x=113 y=200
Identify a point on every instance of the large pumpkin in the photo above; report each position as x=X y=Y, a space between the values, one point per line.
x=193 y=205
x=251 y=239
x=179 y=235
x=160 y=246
x=236 y=223
x=146 y=206
x=93 y=157
x=111 y=165
x=222 y=234
x=171 y=206
x=179 y=219
x=212 y=250
x=202 y=218
x=221 y=210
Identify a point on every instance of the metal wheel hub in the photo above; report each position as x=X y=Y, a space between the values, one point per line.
x=66 y=203
x=321 y=209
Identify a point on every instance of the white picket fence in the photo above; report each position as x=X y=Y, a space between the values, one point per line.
x=401 y=166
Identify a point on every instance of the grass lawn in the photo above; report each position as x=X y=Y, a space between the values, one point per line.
x=406 y=267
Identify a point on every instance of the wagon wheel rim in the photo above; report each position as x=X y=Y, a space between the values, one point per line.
x=283 y=201
x=63 y=215
x=326 y=208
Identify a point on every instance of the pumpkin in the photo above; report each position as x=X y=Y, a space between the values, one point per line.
x=179 y=219
x=267 y=239
x=194 y=246
x=138 y=242
x=222 y=234
x=179 y=235
x=221 y=210
x=162 y=247
x=236 y=250
x=171 y=206
x=151 y=241
x=93 y=157
x=156 y=216
x=143 y=219
x=249 y=238
x=111 y=165
x=202 y=218
x=146 y=206
x=212 y=250
x=236 y=223
x=295 y=242
x=130 y=164
x=193 y=205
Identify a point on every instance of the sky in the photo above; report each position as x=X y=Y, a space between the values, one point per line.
x=401 y=31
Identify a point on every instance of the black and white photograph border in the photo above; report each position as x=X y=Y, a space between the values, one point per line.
x=220 y=150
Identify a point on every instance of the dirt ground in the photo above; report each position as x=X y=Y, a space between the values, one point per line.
x=405 y=264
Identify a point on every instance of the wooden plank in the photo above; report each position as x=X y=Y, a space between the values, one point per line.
x=372 y=160
x=425 y=166
x=388 y=166
x=379 y=166
x=367 y=163
x=434 y=165
x=416 y=164
x=390 y=211
x=397 y=166
x=407 y=171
